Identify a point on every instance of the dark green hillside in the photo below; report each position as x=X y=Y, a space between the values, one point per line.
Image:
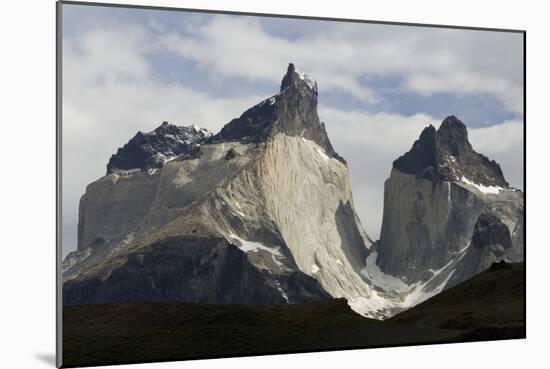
x=488 y=306
x=124 y=333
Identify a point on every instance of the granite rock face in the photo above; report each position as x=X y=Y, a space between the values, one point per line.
x=489 y=230
x=269 y=185
x=491 y=244
x=448 y=213
x=262 y=213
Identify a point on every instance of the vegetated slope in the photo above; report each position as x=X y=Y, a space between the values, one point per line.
x=141 y=332
x=490 y=305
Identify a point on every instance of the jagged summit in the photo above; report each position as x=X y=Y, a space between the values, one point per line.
x=295 y=77
x=446 y=154
x=448 y=212
x=292 y=111
x=262 y=214
x=152 y=150
x=453 y=136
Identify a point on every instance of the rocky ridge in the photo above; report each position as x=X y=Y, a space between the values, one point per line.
x=150 y=151
x=448 y=215
x=253 y=198
x=446 y=154
x=266 y=183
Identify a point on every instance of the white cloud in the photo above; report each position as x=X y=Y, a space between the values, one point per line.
x=428 y=60
x=239 y=47
x=371 y=142
x=504 y=144
x=111 y=90
x=109 y=93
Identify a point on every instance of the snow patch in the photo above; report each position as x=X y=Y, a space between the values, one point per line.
x=379 y=306
x=240 y=213
x=271 y=100
x=419 y=295
x=317 y=148
x=314 y=269
x=484 y=189
x=379 y=278
x=283 y=293
x=374 y=306
x=251 y=246
x=311 y=83
x=128 y=172
x=238 y=206
x=323 y=155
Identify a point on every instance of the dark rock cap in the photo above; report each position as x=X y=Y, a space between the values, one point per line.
x=295 y=78
x=153 y=149
x=293 y=111
x=447 y=155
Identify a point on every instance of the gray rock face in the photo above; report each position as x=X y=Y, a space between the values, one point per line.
x=448 y=213
x=491 y=244
x=269 y=184
x=262 y=212
x=489 y=231
x=196 y=269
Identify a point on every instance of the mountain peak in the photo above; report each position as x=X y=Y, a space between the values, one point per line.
x=446 y=154
x=295 y=77
x=453 y=134
x=292 y=111
x=452 y=123
x=152 y=150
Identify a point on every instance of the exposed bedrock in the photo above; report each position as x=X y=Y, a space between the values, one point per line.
x=442 y=201
x=269 y=185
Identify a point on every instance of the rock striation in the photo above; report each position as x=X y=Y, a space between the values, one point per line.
x=267 y=198
x=262 y=213
x=448 y=214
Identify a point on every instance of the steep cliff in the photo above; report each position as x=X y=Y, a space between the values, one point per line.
x=269 y=185
x=262 y=213
x=448 y=215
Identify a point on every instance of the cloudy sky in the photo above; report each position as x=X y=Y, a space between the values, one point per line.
x=126 y=70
